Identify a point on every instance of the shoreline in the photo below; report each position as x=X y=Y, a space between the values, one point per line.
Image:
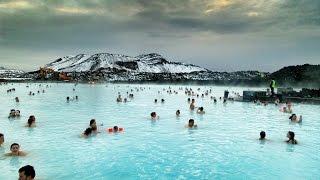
x=164 y=82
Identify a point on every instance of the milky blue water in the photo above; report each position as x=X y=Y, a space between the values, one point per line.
x=224 y=146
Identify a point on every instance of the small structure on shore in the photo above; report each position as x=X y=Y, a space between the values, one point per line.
x=311 y=96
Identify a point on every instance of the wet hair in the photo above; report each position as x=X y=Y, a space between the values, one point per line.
x=92 y=121
x=191 y=120
x=30 y=120
x=1 y=135
x=201 y=108
x=28 y=171
x=262 y=135
x=291 y=134
x=153 y=114
x=115 y=128
x=68 y=98
x=178 y=111
x=88 y=131
x=14 y=144
x=162 y=100
x=155 y=100
x=292 y=116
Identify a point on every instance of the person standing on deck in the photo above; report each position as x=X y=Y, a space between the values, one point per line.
x=272 y=86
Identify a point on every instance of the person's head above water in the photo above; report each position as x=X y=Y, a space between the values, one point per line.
x=293 y=117
x=31 y=120
x=290 y=135
x=191 y=123
x=178 y=112
x=92 y=122
x=200 y=108
x=153 y=115
x=14 y=148
x=262 y=135
x=115 y=128
x=27 y=173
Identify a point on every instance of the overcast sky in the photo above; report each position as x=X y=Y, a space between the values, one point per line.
x=222 y=35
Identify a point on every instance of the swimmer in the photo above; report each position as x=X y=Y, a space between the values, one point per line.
x=93 y=126
x=191 y=124
x=154 y=116
x=12 y=113
x=119 y=99
x=86 y=133
x=17 y=99
x=27 y=173
x=192 y=105
x=291 y=139
x=215 y=100
x=162 y=100
x=224 y=101
x=125 y=100
x=15 y=150
x=178 y=113
x=17 y=113
x=1 y=139
x=77 y=98
x=188 y=100
x=31 y=121
x=294 y=118
x=200 y=110
x=68 y=99
x=115 y=129
x=262 y=135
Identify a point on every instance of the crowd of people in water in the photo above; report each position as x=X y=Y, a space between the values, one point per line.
x=92 y=129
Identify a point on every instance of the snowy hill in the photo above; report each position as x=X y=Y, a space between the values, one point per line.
x=147 y=63
x=7 y=73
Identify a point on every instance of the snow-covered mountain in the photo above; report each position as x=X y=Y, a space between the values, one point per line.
x=8 y=73
x=147 y=63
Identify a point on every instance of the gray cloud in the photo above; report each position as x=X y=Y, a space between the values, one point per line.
x=219 y=34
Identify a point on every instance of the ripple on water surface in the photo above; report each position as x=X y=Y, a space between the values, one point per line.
x=225 y=145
